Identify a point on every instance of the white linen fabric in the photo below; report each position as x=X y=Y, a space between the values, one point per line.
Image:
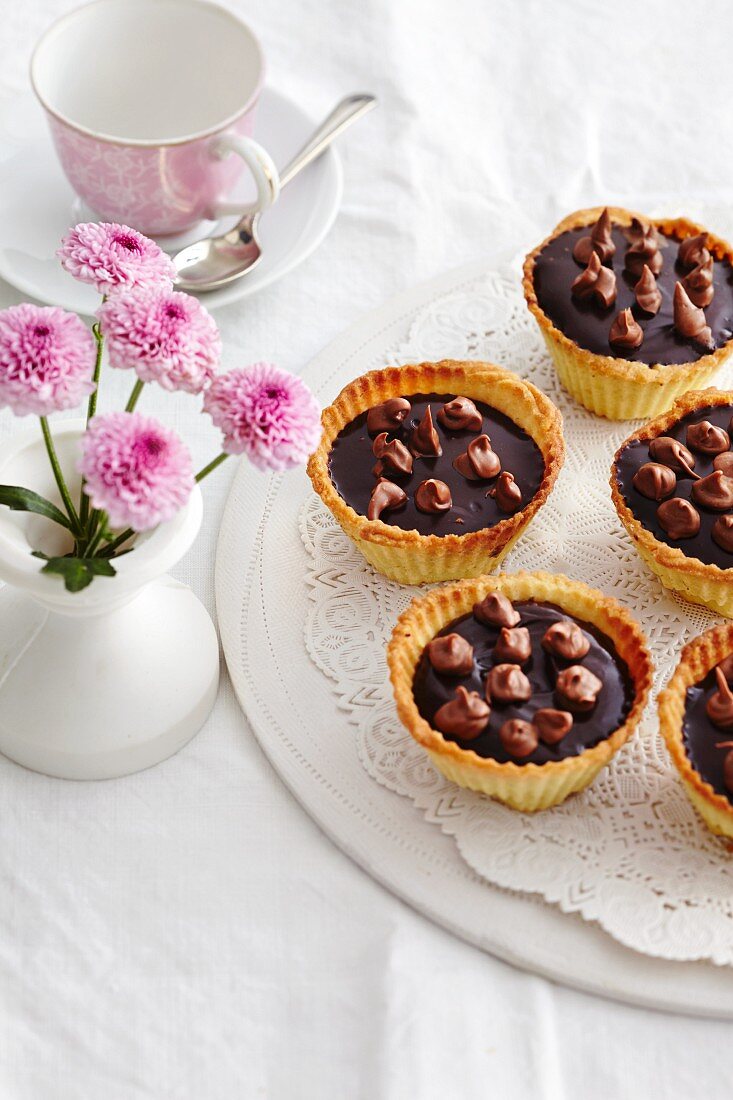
x=188 y=932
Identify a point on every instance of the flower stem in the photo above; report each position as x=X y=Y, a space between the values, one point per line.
x=137 y=389
x=63 y=488
x=91 y=411
x=211 y=466
x=108 y=550
x=99 y=519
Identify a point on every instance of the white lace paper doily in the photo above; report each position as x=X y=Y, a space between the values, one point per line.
x=629 y=852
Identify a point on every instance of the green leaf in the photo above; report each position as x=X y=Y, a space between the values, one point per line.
x=79 y=572
x=24 y=500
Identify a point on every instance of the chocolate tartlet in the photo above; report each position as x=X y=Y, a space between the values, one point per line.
x=634 y=311
x=696 y=720
x=435 y=469
x=672 y=485
x=521 y=686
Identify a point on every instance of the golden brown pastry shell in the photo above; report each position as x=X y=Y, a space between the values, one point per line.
x=526 y=787
x=613 y=387
x=408 y=556
x=696 y=660
x=697 y=581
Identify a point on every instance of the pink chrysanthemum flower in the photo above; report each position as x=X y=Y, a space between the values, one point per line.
x=109 y=255
x=265 y=413
x=137 y=471
x=46 y=359
x=163 y=335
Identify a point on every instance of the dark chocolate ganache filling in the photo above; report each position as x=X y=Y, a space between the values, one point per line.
x=701 y=545
x=700 y=736
x=351 y=467
x=432 y=689
x=588 y=323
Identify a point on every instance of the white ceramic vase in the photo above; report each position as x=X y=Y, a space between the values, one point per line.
x=106 y=681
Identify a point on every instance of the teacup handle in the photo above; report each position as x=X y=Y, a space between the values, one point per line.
x=260 y=164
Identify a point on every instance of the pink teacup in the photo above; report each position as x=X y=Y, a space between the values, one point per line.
x=147 y=100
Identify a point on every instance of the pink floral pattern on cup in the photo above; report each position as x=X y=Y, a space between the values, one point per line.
x=158 y=189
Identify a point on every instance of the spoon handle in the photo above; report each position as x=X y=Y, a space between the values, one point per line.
x=346 y=112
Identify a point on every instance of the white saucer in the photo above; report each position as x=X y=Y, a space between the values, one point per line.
x=37 y=206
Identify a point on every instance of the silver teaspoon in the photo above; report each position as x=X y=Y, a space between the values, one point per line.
x=217 y=261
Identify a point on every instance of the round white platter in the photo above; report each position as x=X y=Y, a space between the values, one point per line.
x=38 y=205
x=262 y=603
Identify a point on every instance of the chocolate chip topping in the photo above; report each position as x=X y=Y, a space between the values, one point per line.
x=388 y=416
x=672 y=453
x=647 y=293
x=513 y=645
x=478 y=462
x=678 y=518
x=655 y=481
x=722 y=533
x=699 y=283
x=386 y=496
x=644 y=252
x=450 y=654
x=578 y=688
x=724 y=463
x=707 y=438
x=433 y=496
x=393 y=456
x=496 y=610
x=424 y=440
x=597 y=282
x=693 y=250
x=518 y=737
x=720 y=705
x=714 y=491
x=507 y=684
x=353 y=471
x=507 y=493
x=689 y=320
x=599 y=240
x=625 y=331
x=460 y=414
x=565 y=639
x=465 y=716
x=432 y=689
x=552 y=725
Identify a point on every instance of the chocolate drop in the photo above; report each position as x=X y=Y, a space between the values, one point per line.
x=724 y=463
x=597 y=282
x=693 y=250
x=507 y=493
x=625 y=331
x=394 y=457
x=654 y=481
x=451 y=655
x=566 y=639
x=578 y=688
x=552 y=725
x=722 y=533
x=433 y=496
x=478 y=462
x=714 y=491
x=599 y=240
x=507 y=684
x=689 y=320
x=513 y=645
x=386 y=496
x=465 y=716
x=678 y=518
x=719 y=707
x=388 y=416
x=496 y=610
x=699 y=283
x=460 y=414
x=647 y=293
x=424 y=440
x=672 y=453
x=707 y=438
x=518 y=737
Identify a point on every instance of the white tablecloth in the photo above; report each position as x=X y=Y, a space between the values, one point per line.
x=188 y=932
